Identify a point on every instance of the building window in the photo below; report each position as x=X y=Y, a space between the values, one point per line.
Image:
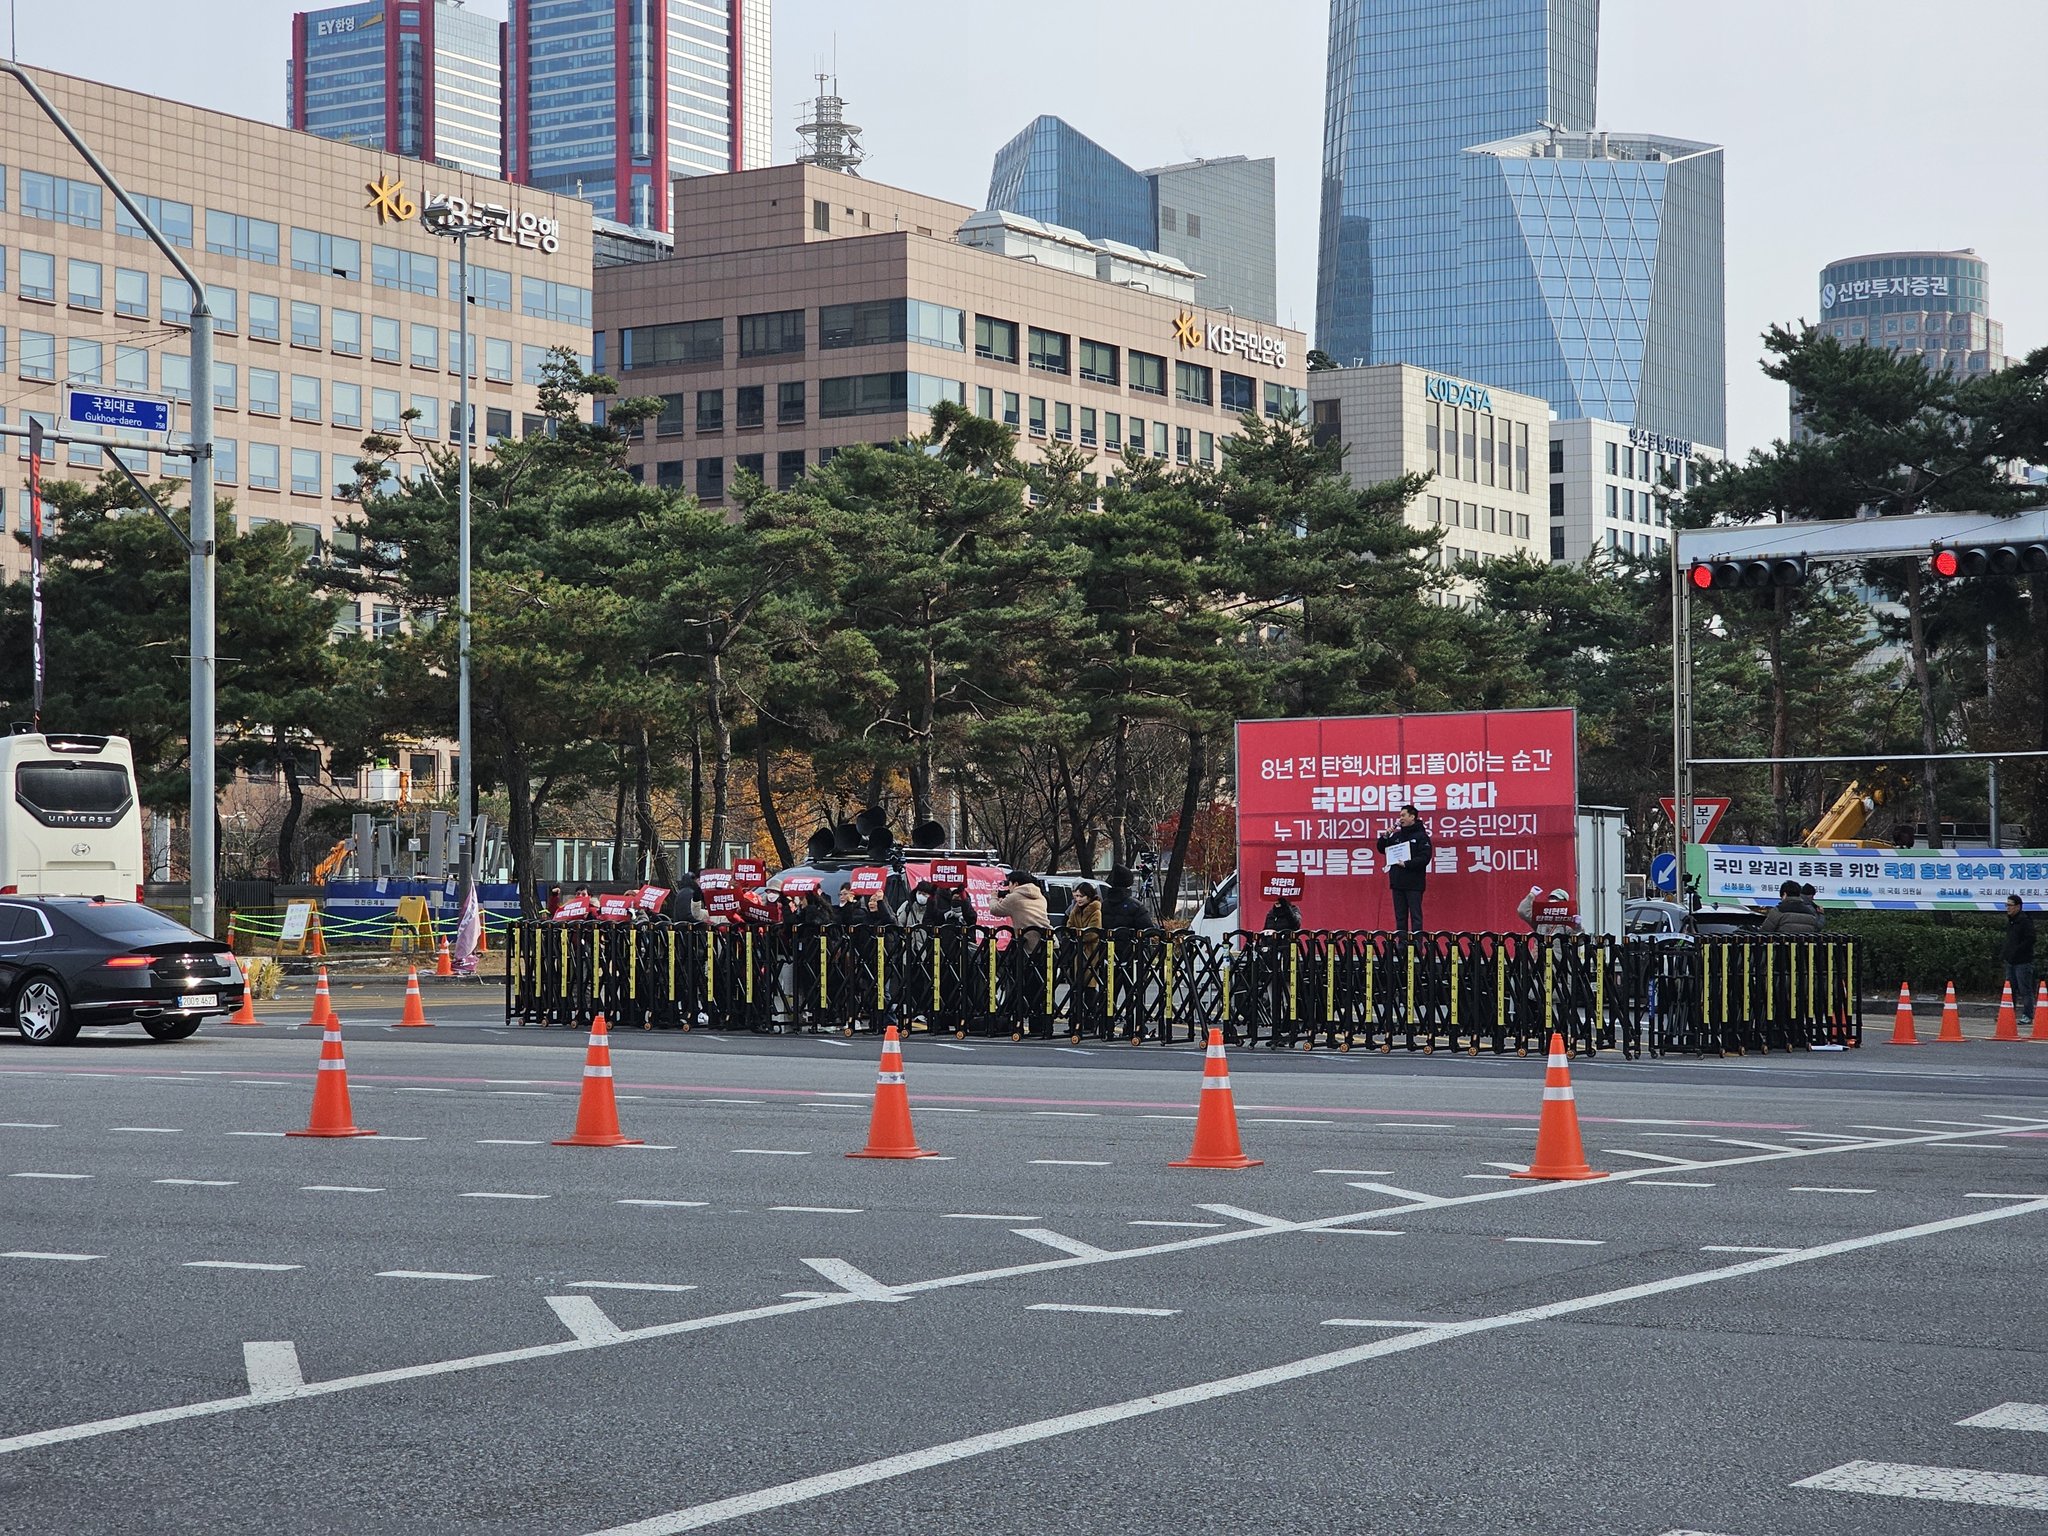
x=1521 y=525
x=488 y=287
x=1112 y=430
x=1012 y=409
x=131 y=367
x=710 y=410
x=1205 y=449
x=1486 y=450
x=1063 y=421
x=1613 y=459
x=172 y=219
x=772 y=335
x=498 y=423
x=1613 y=499
x=176 y=373
x=222 y=302
x=533 y=361
x=789 y=468
x=82 y=284
x=1183 y=445
x=226 y=396
x=327 y=255
x=995 y=339
x=176 y=302
x=1136 y=440
x=226 y=471
x=264 y=462
x=821 y=216
x=1088 y=432
x=384 y=411
x=872 y=394
x=749 y=405
x=347 y=402
x=265 y=391
x=498 y=359
x=1169 y=219
x=384 y=339
x=1148 y=373
x=1193 y=383
x=1240 y=394
x=1158 y=439
x=38 y=276
x=305 y=324
x=1037 y=416
x=711 y=479
x=1099 y=362
x=671 y=345
x=668 y=474
x=83 y=360
x=1194 y=226
x=985 y=402
x=1557 y=499
x=1284 y=402
x=1557 y=456
x=60 y=199
x=1329 y=424
x=305 y=472
x=1436 y=511
x=305 y=397
x=789 y=403
x=426 y=346
x=131 y=293
x=235 y=234
x=564 y=302
x=1048 y=351
x=750 y=464
x=345 y=334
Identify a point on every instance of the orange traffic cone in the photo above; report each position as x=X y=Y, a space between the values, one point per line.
x=323 y=1006
x=331 y=1113
x=889 y=1132
x=2008 y=1026
x=1902 y=1021
x=1951 y=1021
x=246 y=1014
x=2040 y=1029
x=444 y=963
x=597 y=1115
x=415 y=1015
x=1559 y=1152
x=1216 y=1143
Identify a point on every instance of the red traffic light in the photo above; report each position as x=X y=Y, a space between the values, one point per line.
x=1947 y=562
x=1702 y=577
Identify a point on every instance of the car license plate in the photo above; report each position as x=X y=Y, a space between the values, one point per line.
x=200 y=1000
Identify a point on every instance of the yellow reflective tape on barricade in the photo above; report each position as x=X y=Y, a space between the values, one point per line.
x=1456 y=969
x=1830 y=949
x=1169 y=980
x=1500 y=989
x=710 y=965
x=1046 y=950
x=824 y=972
x=1329 y=986
x=935 y=953
x=1229 y=970
x=1771 y=983
x=990 y=950
x=1293 y=985
x=1812 y=968
x=1600 y=981
x=1109 y=947
x=1549 y=991
x=881 y=974
x=632 y=967
x=1369 y=957
x=1411 y=983
x=672 y=966
x=747 y=958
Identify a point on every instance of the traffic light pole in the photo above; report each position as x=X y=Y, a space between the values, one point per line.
x=1681 y=719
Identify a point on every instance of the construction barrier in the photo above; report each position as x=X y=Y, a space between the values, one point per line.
x=271 y=931
x=1466 y=992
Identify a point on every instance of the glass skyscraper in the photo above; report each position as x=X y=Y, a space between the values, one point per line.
x=1054 y=173
x=1412 y=83
x=1590 y=273
x=423 y=79
x=608 y=99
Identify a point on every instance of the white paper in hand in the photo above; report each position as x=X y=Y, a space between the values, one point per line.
x=1397 y=854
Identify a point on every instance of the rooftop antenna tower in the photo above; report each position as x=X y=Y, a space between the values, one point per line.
x=830 y=142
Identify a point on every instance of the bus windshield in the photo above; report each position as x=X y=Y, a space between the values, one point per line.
x=73 y=794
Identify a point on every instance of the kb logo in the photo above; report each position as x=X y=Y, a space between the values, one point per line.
x=387 y=196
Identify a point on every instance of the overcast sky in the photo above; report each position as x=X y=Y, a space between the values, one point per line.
x=1850 y=125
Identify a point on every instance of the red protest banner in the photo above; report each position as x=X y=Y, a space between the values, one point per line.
x=1273 y=887
x=747 y=872
x=1496 y=789
x=872 y=881
x=947 y=873
x=799 y=885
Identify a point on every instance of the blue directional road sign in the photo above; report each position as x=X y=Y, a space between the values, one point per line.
x=96 y=408
x=1664 y=872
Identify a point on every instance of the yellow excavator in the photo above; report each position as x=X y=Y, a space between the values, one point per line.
x=1843 y=820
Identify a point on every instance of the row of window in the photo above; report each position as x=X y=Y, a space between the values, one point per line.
x=1449 y=512
x=1630 y=506
x=1476 y=446
x=1631 y=463
x=1061 y=421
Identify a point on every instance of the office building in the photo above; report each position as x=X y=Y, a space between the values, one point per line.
x=1608 y=487
x=335 y=310
x=609 y=100
x=1933 y=304
x=803 y=311
x=1214 y=216
x=1592 y=274
x=1412 y=84
x=424 y=80
x=1474 y=442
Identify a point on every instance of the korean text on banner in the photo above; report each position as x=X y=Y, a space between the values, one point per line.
x=1497 y=789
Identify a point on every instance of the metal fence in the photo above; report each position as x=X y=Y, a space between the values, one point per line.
x=1453 y=992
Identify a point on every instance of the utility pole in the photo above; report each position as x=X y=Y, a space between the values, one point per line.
x=201 y=537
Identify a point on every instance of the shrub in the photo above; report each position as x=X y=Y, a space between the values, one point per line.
x=1926 y=950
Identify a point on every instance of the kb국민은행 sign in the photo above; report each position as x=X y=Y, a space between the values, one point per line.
x=1894 y=879
x=1497 y=789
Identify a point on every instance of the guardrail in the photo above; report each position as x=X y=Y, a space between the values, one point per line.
x=1463 y=992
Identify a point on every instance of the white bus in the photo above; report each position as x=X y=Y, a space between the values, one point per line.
x=70 y=824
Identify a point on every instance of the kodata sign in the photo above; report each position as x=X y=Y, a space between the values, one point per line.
x=1473 y=397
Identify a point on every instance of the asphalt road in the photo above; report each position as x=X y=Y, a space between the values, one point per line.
x=1779 y=1316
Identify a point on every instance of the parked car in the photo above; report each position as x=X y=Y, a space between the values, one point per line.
x=1667 y=922
x=70 y=960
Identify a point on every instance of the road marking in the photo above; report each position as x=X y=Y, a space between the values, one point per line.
x=66 y=1258
x=426 y=1274
x=585 y=1319
x=728 y=1101
x=1413 y=1125
x=766 y=1152
x=1250 y=1218
x=2032 y=1417
x=824 y=1104
x=1563 y=1242
x=423 y=1090
x=28 y=1125
x=519 y=1093
x=1065 y=1244
x=1673 y=1184
x=1357 y=1231
x=1821 y=1136
x=1258 y=1120
x=1827 y=1189
x=343 y=1189
x=1736 y=1248
x=259 y=1082
x=273 y=1368
x=198 y=1183
x=627 y=1285
x=820 y=1210
x=514 y=1082
x=1761 y=1146
x=944 y=1109
x=149 y=1418
x=1973 y=1146
x=493 y=1194
x=280 y=1134
x=1067 y=1162
x=1362 y=1173
x=1066 y=1114
x=1947 y=1485
x=984 y=1216
x=2001 y=1195
x=1166 y=1117
x=1211 y=1225
x=1073 y=1050
x=1075 y=1306
x=1975 y=1125
x=269 y=1269
x=1903 y=1130
x=1372 y=1322
x=152 y=1130
x=864 y=1474
x=1492 y=1178
x=502 y=1141
x=1395 y=1191
x=1652 y=1157
x=857 y=1283
x=1513 y=1167
x=678 y=1204
x=49 y=1175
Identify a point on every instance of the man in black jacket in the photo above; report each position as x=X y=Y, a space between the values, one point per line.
x=2018 y=952
x=1408 y=852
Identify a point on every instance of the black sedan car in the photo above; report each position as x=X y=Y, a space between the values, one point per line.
x=70 y=960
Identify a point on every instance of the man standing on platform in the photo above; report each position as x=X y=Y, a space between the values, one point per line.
x=1407 y=851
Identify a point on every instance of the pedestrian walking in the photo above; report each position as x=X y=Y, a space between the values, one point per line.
x=2018 y=951
x=1408 y=851
x=1793 y=917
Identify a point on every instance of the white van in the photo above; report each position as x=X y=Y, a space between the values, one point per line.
x=70 y=823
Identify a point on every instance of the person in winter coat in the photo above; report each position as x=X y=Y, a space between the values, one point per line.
x=1121 y=908
x=1021 y=899
x=1551 y=916
x=1407 y=868
x=2017 y=952
x=1793 y=918
x=1283 y=917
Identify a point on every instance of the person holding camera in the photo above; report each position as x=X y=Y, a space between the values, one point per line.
x=1021 y=899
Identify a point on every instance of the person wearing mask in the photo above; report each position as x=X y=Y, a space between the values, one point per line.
x=1550 y=916
x=1408 y=851
x=1792 y=918
x=1811 y=897
x=1082 y=944
x=1021 y=899
x=1283 y=916
x=2018 y=952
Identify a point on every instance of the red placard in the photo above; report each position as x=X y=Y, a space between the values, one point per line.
x=868 y=882
x=709 y=880
x=749 y=872
x=573 y=909
x=947 y=873
x=799 y=885
x=1273 y=887
x=721 y=903
x=651 y=898
x=615 y=909
x=1497 y=789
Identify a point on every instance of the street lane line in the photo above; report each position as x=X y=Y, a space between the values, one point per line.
x=1563 y=1242
x=1737 y=1248
x=1267 y=1120
x=1067 y=1114
x=198 y=1183
x=49 y=1175
x=1067 y=1162
x=1651 y=1157
x=824 y=1104
x=627 y=1285
x=151 y=1130
x=273 y=1367
x=2002 y=1195
x=268 y=1269
x=864 y=1474
x=426 y=1274
x=423 y=1090
x=504 y=1141
x=1356 y=1231
x=1946 y=1485
x=678 y=1204
x=343 y=1189
x=857 y=1283
x=1410 y=1196
x=1761 y=1146
x=948 y=1045
x=728 y=1101
x=1065 y=1244
x=492 y=1194
x=1903 y=1130
x=1250 y=1218
x=1491 y=1178
x=1361 y=1173
x=1166 y=1117
x=1521 y=1167
x=766 y=1152
x=28 y=1125
x=585 y=1319
x=1371 y=1322
x=1827 y=1189
x=65 y=1258
x=260 y=1082
x=1413 y=1125
x=1978 y=1125
x=1673 y=1184
x=280 y=1134
x=1075 y=1306
x=1207 y=1225
x=944 y=1109
x=984 y=1216
x=820 y=1210
x=2031 y=1417
x=148 y=1418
